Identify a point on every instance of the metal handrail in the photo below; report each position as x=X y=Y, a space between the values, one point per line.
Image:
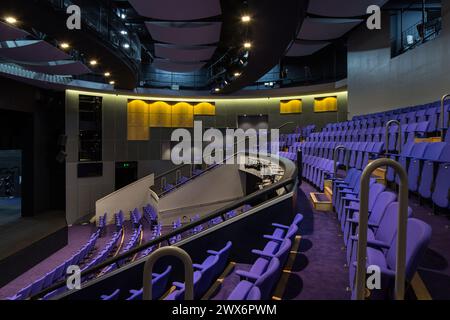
x=335 y=157
x=400 y=267
x=188 y=271
x=443 y=124
x=399 y=141
x=217 y=213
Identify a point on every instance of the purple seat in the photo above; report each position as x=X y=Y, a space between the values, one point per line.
x=265 y=282
x=418 y=166
x=418 y=238
x=383 y=200
x=430 y=170
x=179 y=293
x=441 y=193
x=159 y=286
x=113 y=296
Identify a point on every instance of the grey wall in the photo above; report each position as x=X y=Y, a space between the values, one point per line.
x=81 y=193
x=377 y=83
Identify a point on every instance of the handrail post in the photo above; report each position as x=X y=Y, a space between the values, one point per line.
x=188 y=271
x=177 y=176
x=386 y=137
x=400 y=267
x=445 y=97
x=335 y=157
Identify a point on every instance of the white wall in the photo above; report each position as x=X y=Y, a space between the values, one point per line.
x=135 y=195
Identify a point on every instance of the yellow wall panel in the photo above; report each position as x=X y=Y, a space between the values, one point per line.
x=182 y=121
x=325 y=104
x=138 y=119
x=205 y=109
x=292 y=106
x=138 y=133
x=160 y=107
x=183 y=108
x=160 y=120
x=138 y=106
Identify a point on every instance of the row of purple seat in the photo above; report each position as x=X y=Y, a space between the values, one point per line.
x=428 y=112
x=205 y=274
x=259 y=282
x=377 y=134
x=57 y=273
x=381 y=251
x=428 y=168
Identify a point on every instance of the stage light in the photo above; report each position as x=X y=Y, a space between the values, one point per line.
x=112 y=83
x=65 y=45
x=11 y=20
x=246 y=18
x=126 y=46
x=237 y=74
x=93 y=62
x=123 y=32
x=107 y=74
x=247 y=45
x=123 y=16
x=217 y=89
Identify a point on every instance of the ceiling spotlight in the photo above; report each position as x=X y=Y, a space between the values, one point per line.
x=247 y=45
x=123 y=32
x=107 y=74
x=217 y=89
x=112 y=83
x=246 y=18
x=123 y=16
x=11 y=20
x=65 y=45
x=93 y=62
x=237 y=74
x=126 y=46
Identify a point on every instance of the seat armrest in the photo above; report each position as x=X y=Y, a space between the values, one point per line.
x=281 y=226
x=377 y=244
x=212 y=252
x=244 y=275
x=263 y=254
x=268 y=237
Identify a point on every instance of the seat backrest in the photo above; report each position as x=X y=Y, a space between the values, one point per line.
x=381 y=203
x=374 y=192
x=159 y=283
x=433 y=151
x=283 y=252
x=254 y=294
x=389 y=223
x=267 y=280
x=417 y=240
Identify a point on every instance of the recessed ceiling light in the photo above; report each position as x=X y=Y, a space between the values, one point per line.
x=217 y=89
x=65 y=45
x=93 y=62
x=237 y=74
x=112 y=83
x=247 y=45
x=11 y=20
x=107 y=74
x=126 y=46
x=123 y=32
x=246 y=18
x=123 y=16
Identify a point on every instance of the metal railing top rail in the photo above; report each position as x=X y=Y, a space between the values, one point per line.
x=400 y=267
x=335 y=157
x=217 y=213
x=399 y=140
x=443 y=124
x=188 y=271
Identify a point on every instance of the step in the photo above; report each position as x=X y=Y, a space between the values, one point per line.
x=329 y=191
x=321 y=202
x=431 y=139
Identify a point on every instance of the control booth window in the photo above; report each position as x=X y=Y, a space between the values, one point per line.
x=414 y=23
